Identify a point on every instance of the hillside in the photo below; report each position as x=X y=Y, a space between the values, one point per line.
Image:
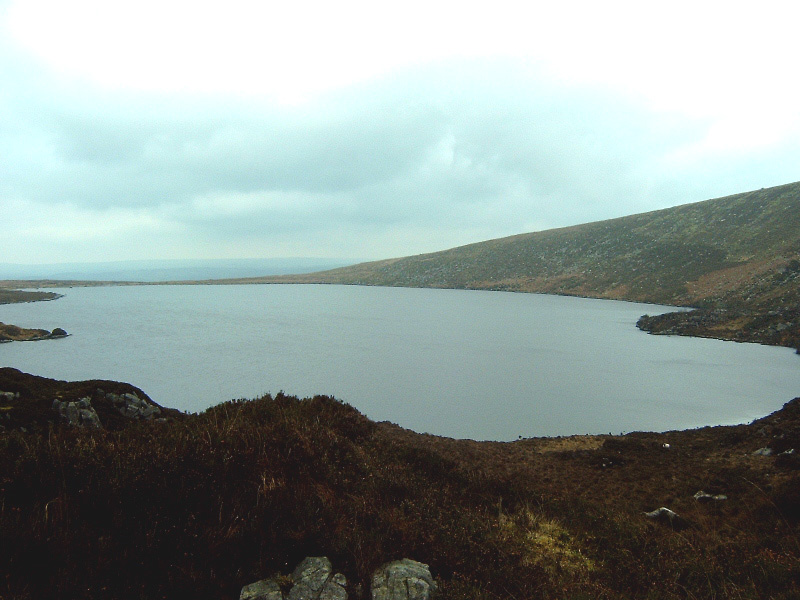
x=196 y=506
x=736 y=257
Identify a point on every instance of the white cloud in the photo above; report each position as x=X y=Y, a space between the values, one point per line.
x=179 y=129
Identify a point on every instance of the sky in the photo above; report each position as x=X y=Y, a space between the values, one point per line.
x=366 y=130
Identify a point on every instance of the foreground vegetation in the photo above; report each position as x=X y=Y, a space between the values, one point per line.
x=198 y=505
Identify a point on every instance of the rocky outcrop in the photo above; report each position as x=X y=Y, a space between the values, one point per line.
x=81 y=413
x=314 y=579
x=131 y=406
x=78 y=414
x=266 y=589
x=779 y=326
x=404 y=579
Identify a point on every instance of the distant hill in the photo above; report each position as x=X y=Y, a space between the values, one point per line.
x=739 y=254
x=153 y=271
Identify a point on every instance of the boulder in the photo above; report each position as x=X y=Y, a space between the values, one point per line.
x=668 y=517
x=78 y=414
x=314 y=580
x=266 y=589
x=705 y=497
x=132 y=407
x=404 y=579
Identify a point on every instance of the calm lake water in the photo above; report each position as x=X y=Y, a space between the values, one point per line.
x=469 y=364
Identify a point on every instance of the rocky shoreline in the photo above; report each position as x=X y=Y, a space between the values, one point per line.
x=12 y=333
x=777 y=327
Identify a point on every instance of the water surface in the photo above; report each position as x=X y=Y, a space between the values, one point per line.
x=471 y=364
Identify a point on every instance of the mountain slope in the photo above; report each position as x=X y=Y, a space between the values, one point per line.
x=739 y=253
x=690 y=254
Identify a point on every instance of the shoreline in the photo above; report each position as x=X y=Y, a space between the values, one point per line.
x=769 y=327
x=13 y=333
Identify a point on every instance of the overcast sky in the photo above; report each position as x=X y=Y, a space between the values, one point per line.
x=365 y=130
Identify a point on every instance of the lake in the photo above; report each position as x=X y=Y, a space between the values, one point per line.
x=468 y=364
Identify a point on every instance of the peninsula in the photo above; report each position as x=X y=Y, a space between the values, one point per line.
x=12 y=333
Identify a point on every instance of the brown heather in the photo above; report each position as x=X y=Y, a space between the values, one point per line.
x=199 y=505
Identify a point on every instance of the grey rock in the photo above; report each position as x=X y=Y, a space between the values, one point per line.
x=334 y=589
x=314 y=580
x=266 y=589
x=89 y=418
x=763 y=452
x=78 y=414
x=668 y=517
x=661 y=513
x=404 y=579
x=313 y=572
x=148 y=411
x=702 y=496
x=72 y=414
x=132 y=407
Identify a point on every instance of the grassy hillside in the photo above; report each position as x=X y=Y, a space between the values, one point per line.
x=739 y=253
x=198 y=505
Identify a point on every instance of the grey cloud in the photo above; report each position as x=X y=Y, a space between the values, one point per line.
x=477 y=147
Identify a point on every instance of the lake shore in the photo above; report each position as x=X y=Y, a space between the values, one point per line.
x=12 y=333
x=772 y=327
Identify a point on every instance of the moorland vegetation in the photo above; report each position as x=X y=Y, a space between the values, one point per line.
x=198 y=505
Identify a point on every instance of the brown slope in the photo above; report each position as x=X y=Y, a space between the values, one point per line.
x=703 y=252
